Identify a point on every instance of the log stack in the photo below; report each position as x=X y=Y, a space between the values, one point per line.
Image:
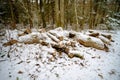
x=64 y=41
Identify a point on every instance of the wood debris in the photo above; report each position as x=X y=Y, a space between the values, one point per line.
x=94 y=34
x=10 y=42
x=64 y=41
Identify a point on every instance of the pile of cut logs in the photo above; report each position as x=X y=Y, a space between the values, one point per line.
x=61 y=40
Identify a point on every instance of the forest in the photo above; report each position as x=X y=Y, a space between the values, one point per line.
x=79 y=14
x=59 y=39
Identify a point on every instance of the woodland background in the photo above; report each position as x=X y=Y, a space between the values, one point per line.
x=73 y=14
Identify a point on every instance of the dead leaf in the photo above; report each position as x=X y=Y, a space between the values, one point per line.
x=20 y=72
x=37 y=64
x=20 y=62
x=81 y=64
x=100 y=75
x=71 y=55
x=112 y=72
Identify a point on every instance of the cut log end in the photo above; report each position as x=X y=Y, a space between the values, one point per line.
x=107 y=36
x=71 y=35
x=60 y=48
x=44 y=43
x=106 y=48
x=71 y=55
x=94 y=34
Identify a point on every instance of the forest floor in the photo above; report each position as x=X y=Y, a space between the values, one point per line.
x=34 y=61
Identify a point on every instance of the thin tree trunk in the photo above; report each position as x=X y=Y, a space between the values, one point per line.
x=62 y=12
x=36 y=4
x=57 y=12
x=29 y=13
x=13 y=24
x=76 y=14
x=42 y=13
x=52 y=6
x=91 y=16
x=83 y=7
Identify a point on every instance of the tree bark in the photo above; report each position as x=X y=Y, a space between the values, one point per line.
x=62 y=13
x=76 y=16
x=42 y=13
x=57 y=12
x=13 y=24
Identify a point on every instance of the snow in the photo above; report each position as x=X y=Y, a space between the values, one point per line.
x=37 y=63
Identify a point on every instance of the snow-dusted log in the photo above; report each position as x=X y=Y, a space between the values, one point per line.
x=59 y=29
x=73 y=53
x=54 y=38
x=89 y=41
x=45 y=37
x=30 y=38
x=56 y=33
x=105 y=40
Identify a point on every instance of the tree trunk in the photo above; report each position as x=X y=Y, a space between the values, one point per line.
x=42 y=13
x=91 y=16
x=62 y=12
x=13 y=24
x=57 y=12
x=29 y=13
x=36 y=4
x=52 y=6
x=76 y=17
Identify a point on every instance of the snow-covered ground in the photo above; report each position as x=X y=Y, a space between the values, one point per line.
x=35 y=62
